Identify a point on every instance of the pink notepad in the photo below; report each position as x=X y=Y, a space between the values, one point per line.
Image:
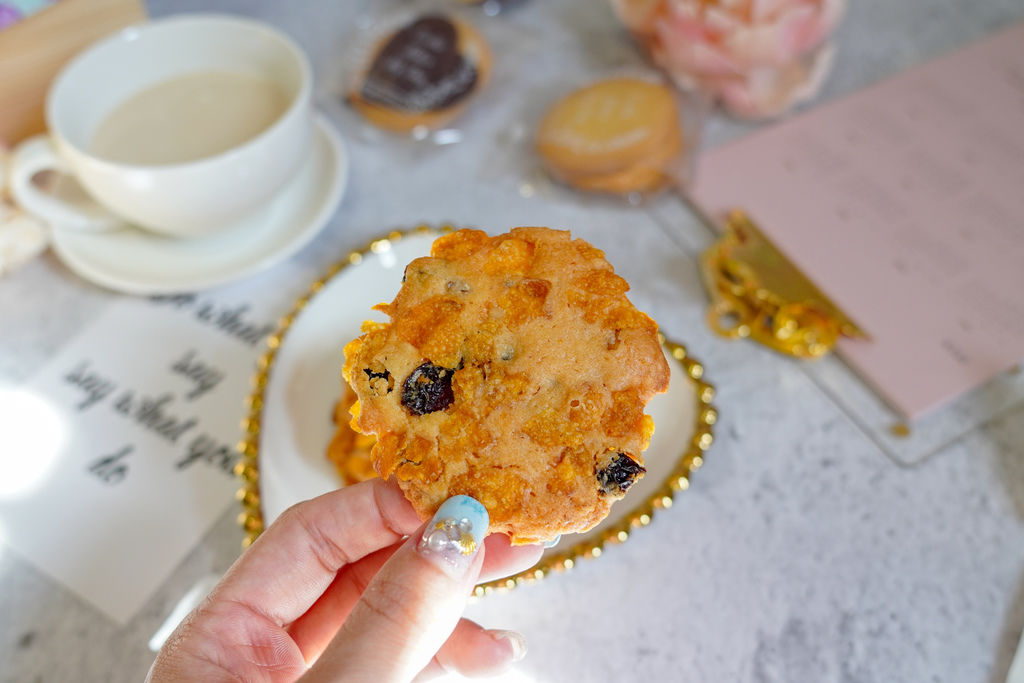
x=904 y=203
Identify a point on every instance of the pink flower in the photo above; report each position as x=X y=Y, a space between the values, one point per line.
x=8 y=15
x=757 y=57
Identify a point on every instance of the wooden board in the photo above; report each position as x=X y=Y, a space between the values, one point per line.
x=33 y=51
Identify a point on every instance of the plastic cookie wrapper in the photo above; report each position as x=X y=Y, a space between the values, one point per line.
x=411 y=71
x=492 y=7
x=627 y=135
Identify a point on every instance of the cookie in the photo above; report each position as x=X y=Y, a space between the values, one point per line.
x=349 y=450
x=644 y=179
x=647 y=176
x=423 y=74
x=607 y=127
x=514 y=370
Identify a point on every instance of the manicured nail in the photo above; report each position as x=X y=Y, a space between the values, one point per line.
x=453 y=537
x=514 y=639
x=553 y=542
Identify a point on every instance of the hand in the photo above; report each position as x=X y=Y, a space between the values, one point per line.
x=334 y=584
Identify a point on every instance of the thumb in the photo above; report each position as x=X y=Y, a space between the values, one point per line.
x=413 y=603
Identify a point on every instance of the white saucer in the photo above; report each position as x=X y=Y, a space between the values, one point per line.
x=139 y=262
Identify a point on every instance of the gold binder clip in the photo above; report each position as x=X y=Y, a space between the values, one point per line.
x=756 y=292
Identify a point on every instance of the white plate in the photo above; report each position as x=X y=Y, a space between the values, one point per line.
x=305 y=383
x=139 y=262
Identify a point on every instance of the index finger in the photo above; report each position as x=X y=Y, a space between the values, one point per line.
x=294 y=561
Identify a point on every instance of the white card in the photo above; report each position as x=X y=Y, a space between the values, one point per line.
x=117 y=456
x=1016 y=673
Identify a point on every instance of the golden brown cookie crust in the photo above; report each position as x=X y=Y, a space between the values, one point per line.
x=349 y=450
x=549 y=366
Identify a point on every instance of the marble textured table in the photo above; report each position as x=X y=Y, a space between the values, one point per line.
x=802 y=552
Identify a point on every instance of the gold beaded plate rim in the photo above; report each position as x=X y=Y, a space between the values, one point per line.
x=678 y=479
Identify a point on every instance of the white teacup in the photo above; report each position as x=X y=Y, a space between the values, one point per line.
x=143 y=121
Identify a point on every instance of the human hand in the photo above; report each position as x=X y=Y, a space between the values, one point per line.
x=333 y=585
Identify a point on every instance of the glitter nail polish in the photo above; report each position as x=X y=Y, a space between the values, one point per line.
x=454 y=535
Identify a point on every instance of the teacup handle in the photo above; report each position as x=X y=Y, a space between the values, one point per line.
x=39 y=154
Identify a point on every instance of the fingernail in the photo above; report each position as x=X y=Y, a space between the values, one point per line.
x=453 y=537
x=553 y=542
x=515 y=640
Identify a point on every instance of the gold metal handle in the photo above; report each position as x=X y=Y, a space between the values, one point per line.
x=725 y=309
x=761 y=294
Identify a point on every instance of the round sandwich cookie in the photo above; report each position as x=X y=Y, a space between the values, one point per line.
x=514 y=369
x=646 y=176
x=617 y=135
x=423 y=74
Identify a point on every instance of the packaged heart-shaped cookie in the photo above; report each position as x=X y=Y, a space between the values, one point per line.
x=421 y=73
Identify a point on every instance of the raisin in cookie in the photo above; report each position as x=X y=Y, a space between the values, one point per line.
x=514 y=370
